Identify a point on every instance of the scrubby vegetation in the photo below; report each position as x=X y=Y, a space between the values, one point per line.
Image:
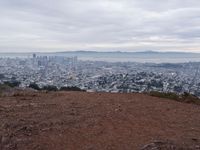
x=45 y=88
x=185 y=97
x=54 y=88
x=12 y=83
x=8 y=85
x=50 y=88
x=72 y=88
x=34 y=86
x=3 y=87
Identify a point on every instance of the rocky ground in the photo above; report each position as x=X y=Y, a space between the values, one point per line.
x=96 y=121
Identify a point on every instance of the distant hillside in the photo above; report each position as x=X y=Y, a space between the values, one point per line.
x=117 y=56
x=142 y=57
x=122 y=53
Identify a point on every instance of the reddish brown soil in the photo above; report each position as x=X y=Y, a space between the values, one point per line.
x=96 y=121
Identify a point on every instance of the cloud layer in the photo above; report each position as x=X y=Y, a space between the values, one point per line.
x=126 y=25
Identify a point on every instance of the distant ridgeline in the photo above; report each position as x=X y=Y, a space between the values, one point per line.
x=118 y=56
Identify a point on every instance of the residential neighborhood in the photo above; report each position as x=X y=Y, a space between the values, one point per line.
x=101 y=76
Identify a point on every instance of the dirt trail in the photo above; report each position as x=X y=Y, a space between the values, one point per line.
x=96 y=121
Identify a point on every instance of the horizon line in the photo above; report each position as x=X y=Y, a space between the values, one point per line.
x=145 y=51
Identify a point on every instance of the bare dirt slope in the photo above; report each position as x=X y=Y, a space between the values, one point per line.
x=96 y=121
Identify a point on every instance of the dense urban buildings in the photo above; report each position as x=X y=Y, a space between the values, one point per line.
x=62 y=71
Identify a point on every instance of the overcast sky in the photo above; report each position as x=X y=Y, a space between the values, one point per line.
x=102 y=25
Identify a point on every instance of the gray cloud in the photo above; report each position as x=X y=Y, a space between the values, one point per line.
x=128 y=25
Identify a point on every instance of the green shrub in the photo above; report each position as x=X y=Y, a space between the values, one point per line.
x=185 y=97
x=3 y=87
x=164 y=95
x=34 y=86
x=50 y=88
x=12 y=83
x=72 y=88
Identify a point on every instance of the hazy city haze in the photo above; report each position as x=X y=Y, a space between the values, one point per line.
x=102 y=25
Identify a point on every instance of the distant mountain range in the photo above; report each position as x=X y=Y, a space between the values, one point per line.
x=148 y=51
x=98 y=52
x=118 y=56
x=121 y=52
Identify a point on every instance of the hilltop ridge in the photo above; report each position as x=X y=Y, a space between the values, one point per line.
x=100 y=121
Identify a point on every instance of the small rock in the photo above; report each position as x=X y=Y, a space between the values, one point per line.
x=194 y=139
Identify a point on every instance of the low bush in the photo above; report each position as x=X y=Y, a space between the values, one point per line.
x=72 y=88
x=12 y=83
x=34 y=86
x=185 y=97
x=50 y=88
x=3 y=87
x=164 y=95
x=54 y=88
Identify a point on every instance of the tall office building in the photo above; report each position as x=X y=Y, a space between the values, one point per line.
x=34 y=55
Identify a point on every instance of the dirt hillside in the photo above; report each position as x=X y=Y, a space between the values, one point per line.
x=96 y=121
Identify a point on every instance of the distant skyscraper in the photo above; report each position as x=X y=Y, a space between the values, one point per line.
x=34 y=55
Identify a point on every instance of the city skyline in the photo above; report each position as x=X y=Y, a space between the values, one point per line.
x=94 y=25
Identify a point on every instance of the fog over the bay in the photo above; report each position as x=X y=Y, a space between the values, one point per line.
x=102 y=25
